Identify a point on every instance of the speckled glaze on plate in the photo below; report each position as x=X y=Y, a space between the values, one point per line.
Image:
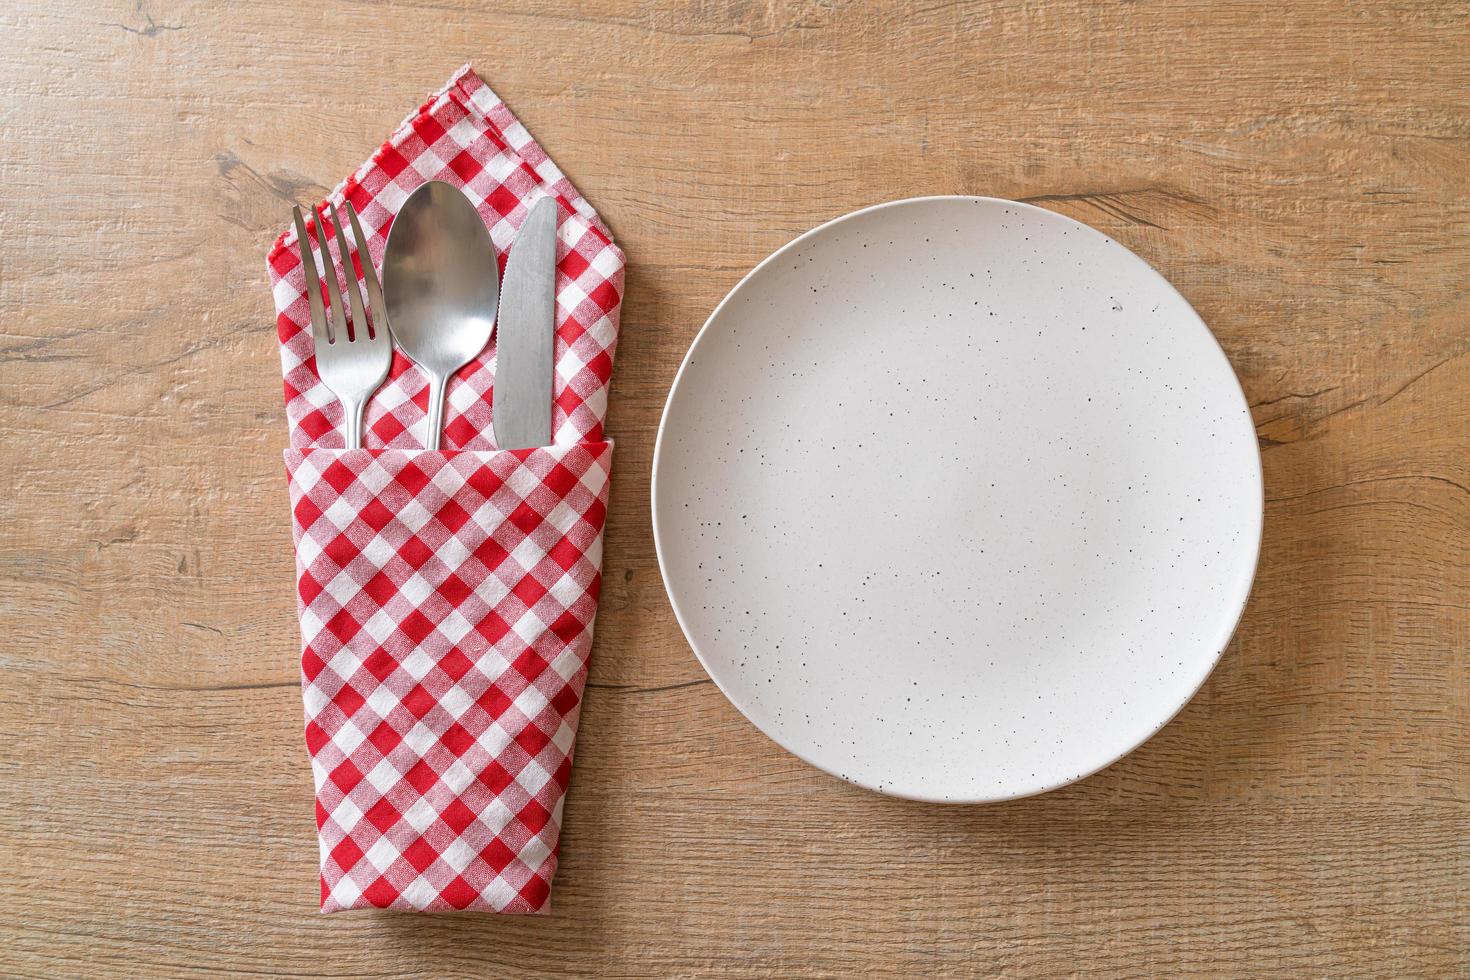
x=957 y=499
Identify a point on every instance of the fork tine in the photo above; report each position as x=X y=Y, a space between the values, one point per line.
x=313 y=281
x=369 y=278
x=334 y=295
x=354 y=293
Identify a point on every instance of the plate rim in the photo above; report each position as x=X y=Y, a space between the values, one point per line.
x=1223 y=641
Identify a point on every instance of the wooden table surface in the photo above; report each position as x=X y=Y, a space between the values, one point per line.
x=1299 y=170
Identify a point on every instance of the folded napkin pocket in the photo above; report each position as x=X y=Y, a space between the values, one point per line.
x=447 y=597
x=447 y=602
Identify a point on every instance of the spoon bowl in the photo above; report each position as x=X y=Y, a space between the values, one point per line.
x=441 y=286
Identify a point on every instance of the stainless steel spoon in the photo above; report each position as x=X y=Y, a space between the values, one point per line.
x=441 y=286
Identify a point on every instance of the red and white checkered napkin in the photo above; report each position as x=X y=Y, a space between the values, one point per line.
x=447 y=598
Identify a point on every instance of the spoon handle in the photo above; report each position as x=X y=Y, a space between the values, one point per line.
x=436 y=411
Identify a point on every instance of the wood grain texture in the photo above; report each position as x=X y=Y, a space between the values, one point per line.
x=1300 y=172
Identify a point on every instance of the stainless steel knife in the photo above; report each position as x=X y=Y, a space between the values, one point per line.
x=521 y=407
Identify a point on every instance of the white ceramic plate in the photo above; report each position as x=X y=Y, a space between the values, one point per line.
x=957 y=499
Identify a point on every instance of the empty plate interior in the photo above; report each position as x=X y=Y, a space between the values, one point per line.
x=957 y=499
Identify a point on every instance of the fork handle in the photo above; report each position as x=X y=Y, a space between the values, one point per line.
x=354 y=412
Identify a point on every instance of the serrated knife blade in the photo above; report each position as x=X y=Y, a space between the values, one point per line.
x=521 y=405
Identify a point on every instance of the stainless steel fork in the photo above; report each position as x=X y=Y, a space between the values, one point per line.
x=351 y=362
